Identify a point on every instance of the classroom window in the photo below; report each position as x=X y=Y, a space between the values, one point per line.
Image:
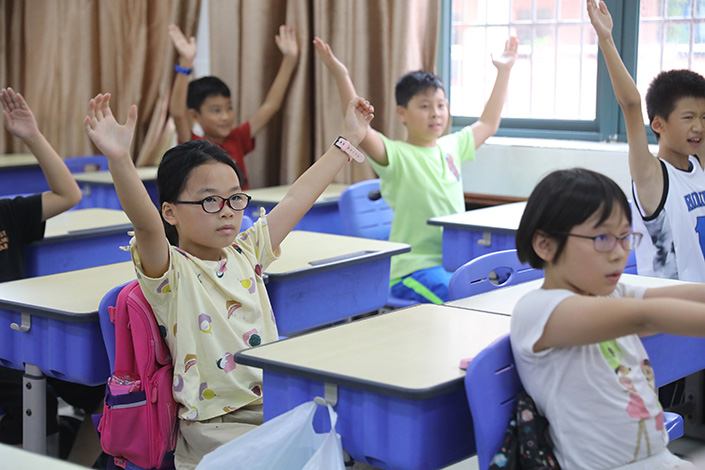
x=558 y=87
x=671 y=36
x=555 y=75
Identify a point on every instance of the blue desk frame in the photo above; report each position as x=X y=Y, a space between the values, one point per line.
x=318 y=291
x=21 y=173
x=45 y=337
x=99 y=190
x=324 y=215
x=477 y=232
x=385 y=422
x=78 y=249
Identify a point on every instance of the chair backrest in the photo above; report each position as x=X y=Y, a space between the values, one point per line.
x=107 y=328
x=488 y=272
x=491 y=385
x=246 y=222
x=364 y=212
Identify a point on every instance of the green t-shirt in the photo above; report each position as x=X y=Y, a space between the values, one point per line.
x=420 y=183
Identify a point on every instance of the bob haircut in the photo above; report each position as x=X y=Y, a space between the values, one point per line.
x=175 y=169
x=562 y=200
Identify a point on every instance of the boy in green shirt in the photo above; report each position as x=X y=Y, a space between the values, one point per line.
x=420 y=177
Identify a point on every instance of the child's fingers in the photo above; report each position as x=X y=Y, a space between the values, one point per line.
x=20 y=102
x=104 y=106
x=131 y=117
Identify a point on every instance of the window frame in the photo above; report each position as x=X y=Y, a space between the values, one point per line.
x=608 y=124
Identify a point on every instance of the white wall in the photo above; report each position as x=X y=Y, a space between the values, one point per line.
x=507 y=166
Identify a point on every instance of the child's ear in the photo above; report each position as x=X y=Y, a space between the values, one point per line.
x=193 y=115
x=168 y=213
x=544 y=246
x=658 y=124
x=401 y=112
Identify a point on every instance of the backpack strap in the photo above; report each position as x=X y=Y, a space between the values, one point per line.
x=124 y=348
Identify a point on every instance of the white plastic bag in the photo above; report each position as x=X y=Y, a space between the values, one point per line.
x=287 y=442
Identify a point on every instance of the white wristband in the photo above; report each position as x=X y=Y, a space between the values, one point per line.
x=349 y=149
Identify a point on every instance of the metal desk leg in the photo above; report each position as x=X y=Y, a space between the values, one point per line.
x=34 y=403
x=694 y=420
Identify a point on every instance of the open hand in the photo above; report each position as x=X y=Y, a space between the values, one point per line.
x=509 y=56
x=600 y=18
x=111 y=138
x=19 y=119
x=328 y=58
x=357 y=119
x=286 y=41
x=185 y=47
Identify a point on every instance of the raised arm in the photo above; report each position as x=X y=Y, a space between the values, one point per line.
x=289 y=47
x=644 y=168
x=63 y=192
x=309 y=186
x=177 y=104
x=580 y=320
x=487 y=124
x=372 y=144
x=114 y=140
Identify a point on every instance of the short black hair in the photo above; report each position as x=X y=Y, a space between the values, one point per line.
x=667 y=88
x=202 y=88
x=413 y=83
x=175 y=168
x=562 y=200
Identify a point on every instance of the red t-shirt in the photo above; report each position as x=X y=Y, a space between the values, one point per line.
x=238 y=144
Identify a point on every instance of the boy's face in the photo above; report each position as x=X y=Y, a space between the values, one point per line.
x=216 y=117
x=425 y=117
x=683 y=131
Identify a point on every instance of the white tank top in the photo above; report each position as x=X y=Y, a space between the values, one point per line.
x=674 y=235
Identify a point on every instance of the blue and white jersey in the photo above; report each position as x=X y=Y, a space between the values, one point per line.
x=674 y=235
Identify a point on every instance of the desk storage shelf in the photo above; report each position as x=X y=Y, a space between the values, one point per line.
x=66 y=348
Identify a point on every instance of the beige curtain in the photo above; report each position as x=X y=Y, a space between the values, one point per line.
x=378 y=40
x=61 y=53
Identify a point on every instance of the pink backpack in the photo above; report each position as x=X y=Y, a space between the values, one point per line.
x=139 y=421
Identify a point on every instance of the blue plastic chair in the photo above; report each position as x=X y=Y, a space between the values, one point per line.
x=491 y=385
x=365 y=214
x=476 y=276
x=246 y=222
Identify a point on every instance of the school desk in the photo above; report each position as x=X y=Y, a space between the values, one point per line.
x=394 y=379
x=99 y=190
x=49 y=327
x=79 y=239
x=15 y=458
x=322 y=217
x=322 y=278
x=20 y=173
x=470 y=234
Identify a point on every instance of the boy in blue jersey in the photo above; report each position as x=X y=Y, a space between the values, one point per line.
x=667 y=189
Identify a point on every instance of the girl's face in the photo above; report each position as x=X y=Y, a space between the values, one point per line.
x=582 y=269
x=200 y=233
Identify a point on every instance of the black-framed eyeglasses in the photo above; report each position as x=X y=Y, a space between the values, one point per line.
x=605 y=242
x=214 y=204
